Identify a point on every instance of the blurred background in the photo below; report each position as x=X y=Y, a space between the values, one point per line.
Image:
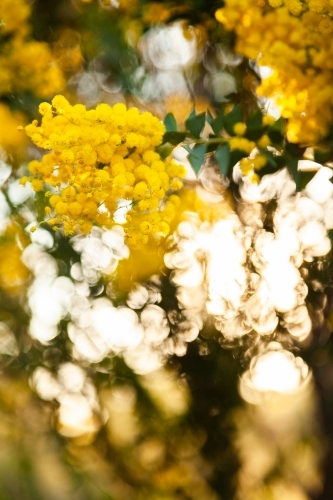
x=165 y=373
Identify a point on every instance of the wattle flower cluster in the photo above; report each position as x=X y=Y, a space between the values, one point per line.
x=255 y=160
x=25 y=64
x=14 y=15
x=101 y=160
x=293 y=38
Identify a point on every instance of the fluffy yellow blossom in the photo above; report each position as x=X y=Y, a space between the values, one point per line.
x=293 y=38
x=246 y=166
x=11 y=139
x=25 y=64
x=240 y=128
x=98 y=159
x=242 y=144
x=264 y=141
x=259 y=162
x=14 y=15
x=249 y=166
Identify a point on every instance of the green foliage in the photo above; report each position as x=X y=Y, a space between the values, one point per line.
x=216 y=123
x=174 y=137
x=276 y=131
x=230 y=120
x=170 y=123
x=195 y=123
x=222 y=155
x=197 y=156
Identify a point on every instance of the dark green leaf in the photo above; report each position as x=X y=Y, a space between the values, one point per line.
x=279 y=125
x=267 y=169
x=330 y=235
x=232 y=118
x=295 y=173
x=197 y=156
x=195 y=124
x=170 y=123
x=255 y=121
x=294 y=150
x=306 y=178
x=165 y=150
x=187 y=148
x=276 y=131
x=254 y=134
x=236 y=155
x=322 y=156
x=209 y=117
x=174 y=137
x=222 y=155
x=192 y=115
x=217 y=124
x=280 y=161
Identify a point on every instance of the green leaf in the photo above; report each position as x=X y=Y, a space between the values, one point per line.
x=322 y=156
x=254 y=126
x=280 y=161
x=294 y=150
x=279 y=125
x=174 y=137
x=255 y=120
x=164 y=150
x=292 y=166
x=236 y=155
x=276 y=131
x=195 y=123
x=209 y=117
x=254 y=134
x=192 y=114
x=197 y=156
x=170 y=123
x=217 y=124
x=306 y=178
x=222 y=155
x=330 y=234
x=232 y=118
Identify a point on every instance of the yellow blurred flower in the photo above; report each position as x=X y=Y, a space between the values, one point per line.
x=293 y=38
x=11 y=139
x=13 y=273
x=25 y=64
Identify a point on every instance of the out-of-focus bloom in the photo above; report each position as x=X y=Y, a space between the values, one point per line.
x=25 y=64
x=11 y=139
x=29 y=66
x=155 y=13
x=67 y=51
x=293 y=39
x=13 y=273
x=14 y=15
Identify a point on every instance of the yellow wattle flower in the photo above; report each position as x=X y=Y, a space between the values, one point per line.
x=293 y=38
x=100 y=159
